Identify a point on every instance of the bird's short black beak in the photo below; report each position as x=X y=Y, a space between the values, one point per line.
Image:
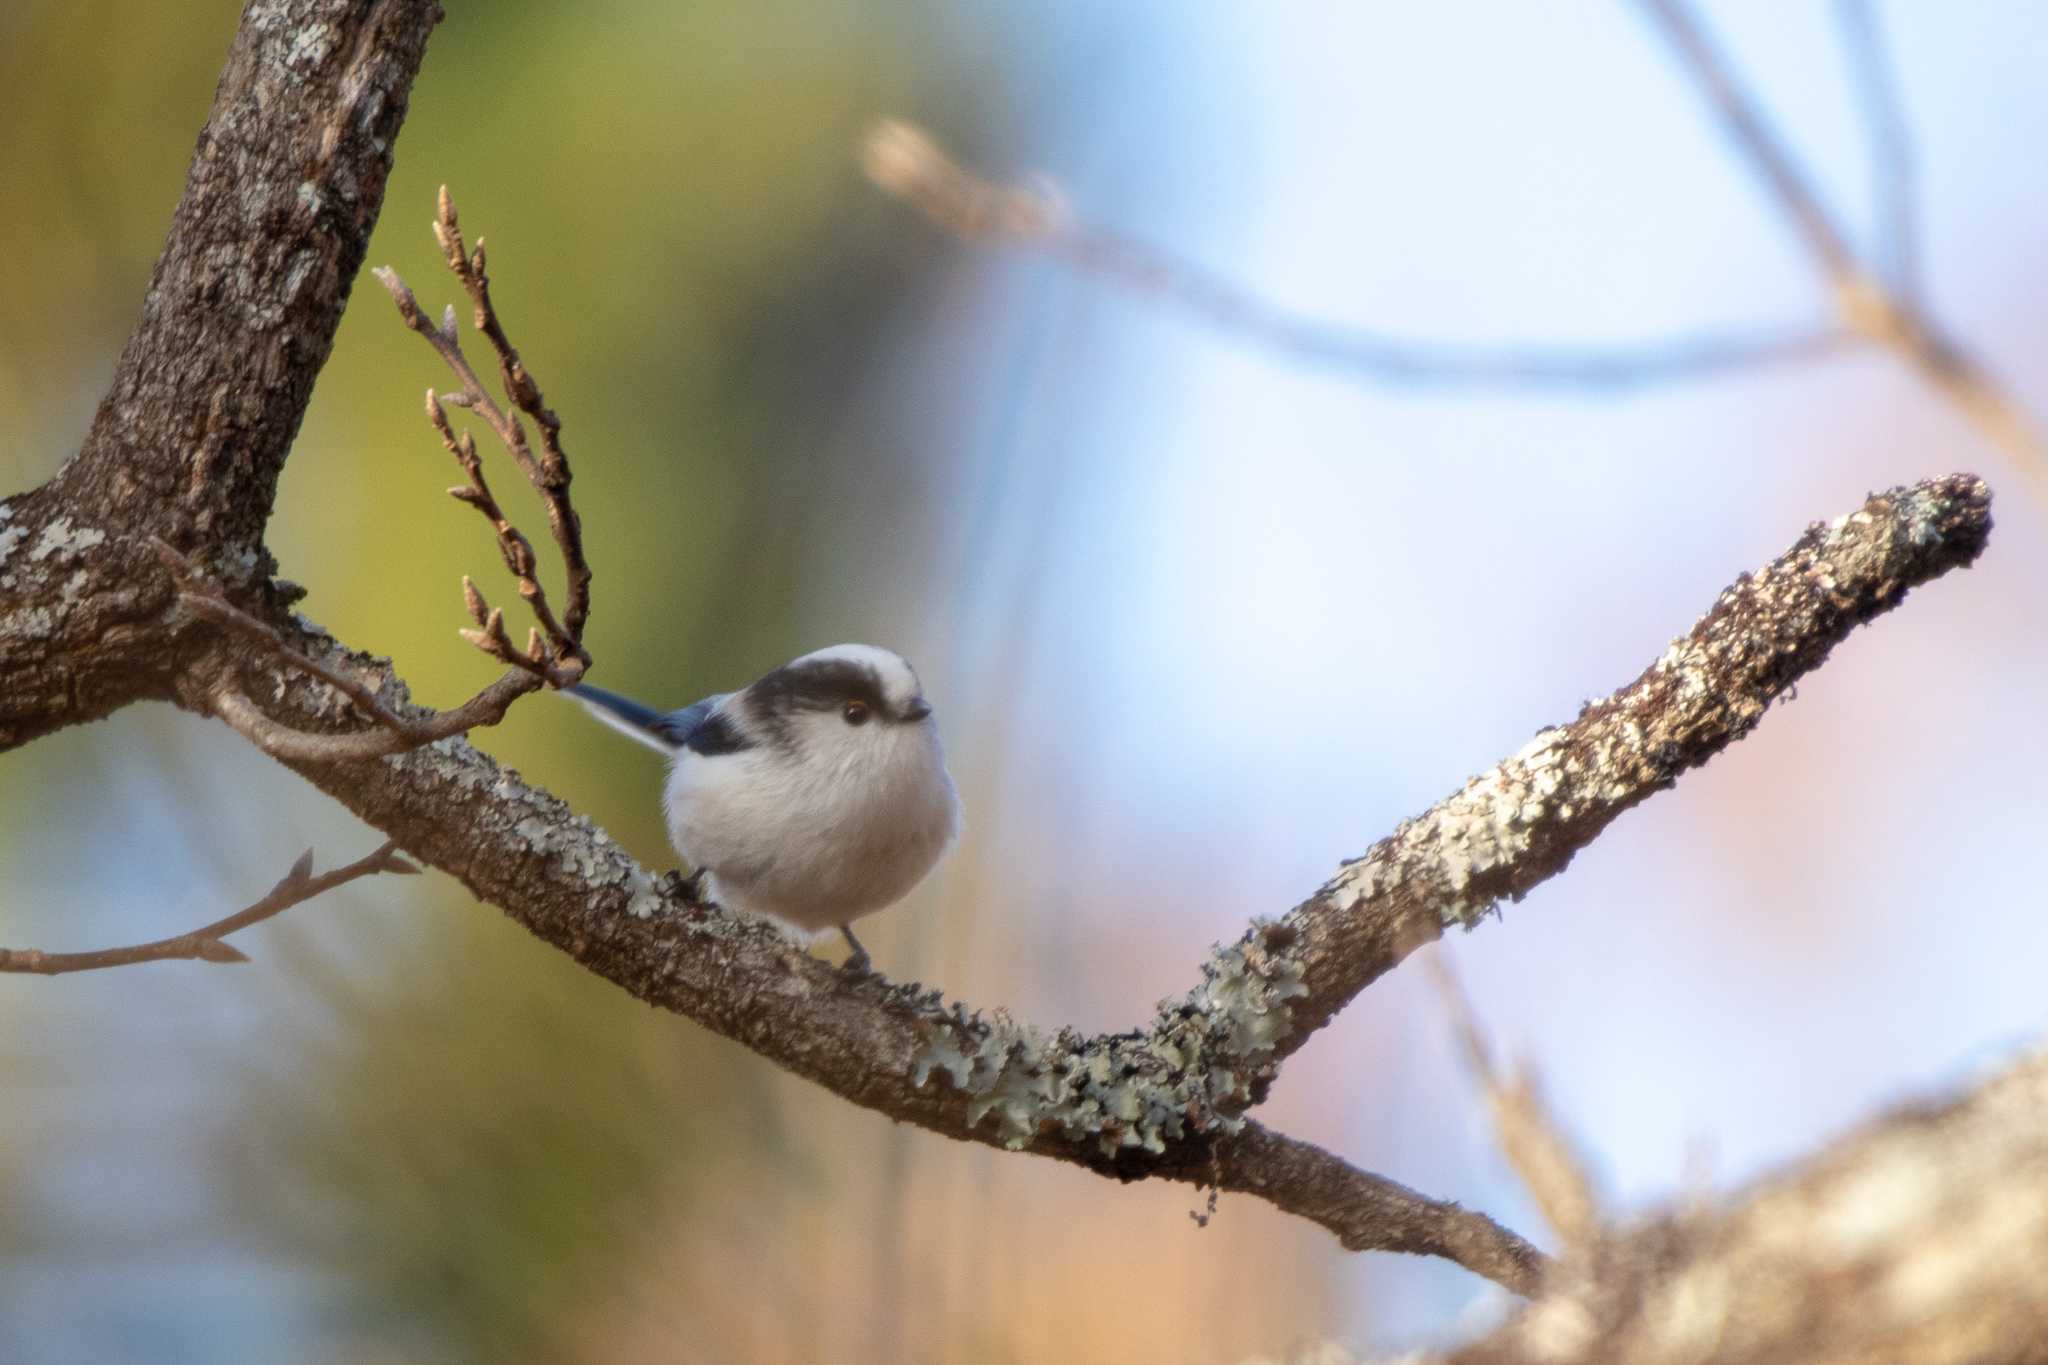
x=917 y=710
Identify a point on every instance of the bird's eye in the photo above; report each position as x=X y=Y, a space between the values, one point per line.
x=856 y=712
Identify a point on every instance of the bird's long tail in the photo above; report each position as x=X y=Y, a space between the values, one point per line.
x=653 y=728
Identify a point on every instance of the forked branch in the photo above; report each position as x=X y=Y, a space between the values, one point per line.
x=1173 y=1097
x=553 y=656
x=396 y=732
x=1876 y=305
x=208 y=942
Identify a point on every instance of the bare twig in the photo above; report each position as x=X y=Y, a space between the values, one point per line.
x=1867 y=304
x=1531 y=1139
x=1372 y=1213
x=1876 y=84
x=907 y=162
x=207 y=943
x=555 y=651
x=282 y=741
x=1749 y=128
x=397 y=733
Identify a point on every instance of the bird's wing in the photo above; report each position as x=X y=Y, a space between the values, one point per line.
x=667 y=731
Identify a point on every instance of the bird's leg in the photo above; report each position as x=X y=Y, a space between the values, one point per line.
x=693 y=886
x=858 y=963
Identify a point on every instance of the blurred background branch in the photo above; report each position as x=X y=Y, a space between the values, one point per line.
x=1882 y=107
x=1878 y=303
x=908 y=162
x=1884 y=311
x=1530 y=1136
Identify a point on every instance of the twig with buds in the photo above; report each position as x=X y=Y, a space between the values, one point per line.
x=554 y=649
x=553 y=656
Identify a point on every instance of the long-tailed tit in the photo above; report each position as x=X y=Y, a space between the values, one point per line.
x=815 y=795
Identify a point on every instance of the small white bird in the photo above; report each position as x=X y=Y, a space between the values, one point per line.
x=816 y=795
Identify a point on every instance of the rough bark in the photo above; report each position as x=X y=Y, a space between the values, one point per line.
x=284 y=187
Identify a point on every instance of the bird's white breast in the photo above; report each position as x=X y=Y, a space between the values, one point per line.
x=846 y=832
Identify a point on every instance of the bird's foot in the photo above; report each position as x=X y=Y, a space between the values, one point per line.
x=857 y=964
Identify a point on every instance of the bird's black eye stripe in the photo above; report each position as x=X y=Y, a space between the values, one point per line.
x=717 y=735
x=820 y=685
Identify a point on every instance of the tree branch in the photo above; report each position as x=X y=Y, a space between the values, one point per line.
x=1876 y=84
x=1867 y=304
x=1372 y=1213
x=284 y=188
x=558 y=662
x=1749 y=129
x=1167 y=1099
x=207 y=943
x=1876 y=306
x=398 y=732
x=1519 y=824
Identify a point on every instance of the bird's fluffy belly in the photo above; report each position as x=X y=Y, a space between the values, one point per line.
x=804 y=847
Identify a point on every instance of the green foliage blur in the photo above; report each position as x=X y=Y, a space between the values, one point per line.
x=460 y=1131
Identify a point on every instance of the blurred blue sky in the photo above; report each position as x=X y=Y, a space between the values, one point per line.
x=1203 y=620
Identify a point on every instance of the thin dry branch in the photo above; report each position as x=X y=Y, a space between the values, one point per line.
x=1530 y=1137
x=1749 y=128
x=1876 y=85
x=1868 y=304
x=1879 y=306
x=555 y=651
x=907 y=162
x=1372 y=1213
x=396 y=732
x=294 y=745
x=207 y=943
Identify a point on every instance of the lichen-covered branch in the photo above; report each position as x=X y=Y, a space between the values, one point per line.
x=1518 y=824
x=208 y=943
x=1169 y=1098
x=1921 y=1239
